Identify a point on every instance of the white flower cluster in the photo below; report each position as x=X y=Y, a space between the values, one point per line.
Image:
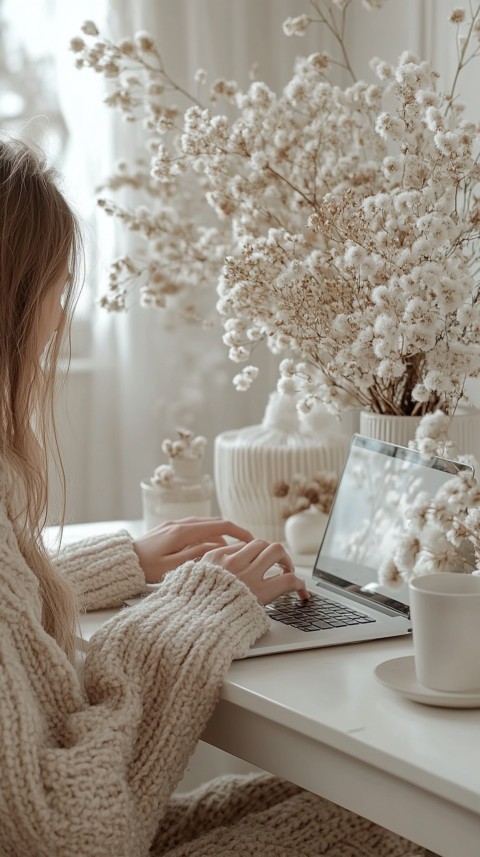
x=370 y=284
x=442 y=531
x=189 y=445
x=346 y=233
x=180 y=255
x=163 y=476
x=431 y=436
x=301 y=493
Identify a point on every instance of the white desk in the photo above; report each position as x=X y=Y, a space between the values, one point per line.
x=320 y=719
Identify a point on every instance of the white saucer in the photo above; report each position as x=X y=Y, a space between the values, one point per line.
x=399 y=674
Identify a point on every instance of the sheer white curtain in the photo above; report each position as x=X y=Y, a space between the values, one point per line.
x=144 y=380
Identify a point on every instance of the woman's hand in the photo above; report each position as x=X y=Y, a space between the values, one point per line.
x=174 y=542
x=250 y=562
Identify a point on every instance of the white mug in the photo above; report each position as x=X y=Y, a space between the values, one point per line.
x=445 y=614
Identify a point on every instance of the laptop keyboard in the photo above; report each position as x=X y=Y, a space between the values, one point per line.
x=317 y=614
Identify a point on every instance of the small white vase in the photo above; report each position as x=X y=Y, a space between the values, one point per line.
x=304 y=531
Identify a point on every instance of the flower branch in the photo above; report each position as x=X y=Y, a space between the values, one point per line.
x=342 y=234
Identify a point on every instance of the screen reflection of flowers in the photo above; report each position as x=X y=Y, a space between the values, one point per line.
x=440 y=532
x=341 y=223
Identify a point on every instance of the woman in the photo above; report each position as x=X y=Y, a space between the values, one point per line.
x=90 y=755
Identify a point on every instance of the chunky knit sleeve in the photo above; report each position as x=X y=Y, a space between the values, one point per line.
x=104 y=570
x=212 y=618
x=87 y=767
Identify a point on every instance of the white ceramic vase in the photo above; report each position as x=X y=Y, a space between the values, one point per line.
x=249 y=461
x=464 y=429
x=304 y=531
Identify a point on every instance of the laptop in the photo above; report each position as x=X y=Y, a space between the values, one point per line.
x=378 y=484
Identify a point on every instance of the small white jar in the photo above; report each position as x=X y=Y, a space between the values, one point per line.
x=188 y=493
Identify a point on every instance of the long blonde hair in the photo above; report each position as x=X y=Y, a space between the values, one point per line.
x=39 y=240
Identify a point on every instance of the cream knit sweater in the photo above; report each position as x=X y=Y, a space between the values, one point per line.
x=88 y=763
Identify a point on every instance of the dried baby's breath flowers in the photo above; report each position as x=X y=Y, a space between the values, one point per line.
x=301 y=493
x=181 y=249
x=341 y=223
x=163 y=476
x=188 y=446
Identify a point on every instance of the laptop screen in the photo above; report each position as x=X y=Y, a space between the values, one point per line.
x=379 y=482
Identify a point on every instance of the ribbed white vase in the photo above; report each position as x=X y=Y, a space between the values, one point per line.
x=388 y=427
x=464 y=429
x=249 y=461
